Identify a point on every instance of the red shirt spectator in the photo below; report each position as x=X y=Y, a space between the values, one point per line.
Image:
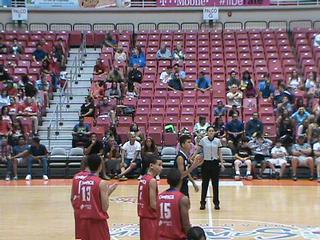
x=5 y=127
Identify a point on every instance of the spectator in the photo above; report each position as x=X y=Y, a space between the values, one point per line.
x=286 y=131
x=132 y=90
x=43 y=85
x=5 y=156
x=234 y=96
x=295 y=82
x=130 y=156
x=316 y=107
x=99 y=68
x=196 y=233
x=260 y=147
x=115 y=75
x=4 y=98
x=200 y=128
x=23 y=160
x=30 y=110
x=120 y=56
x=178 y=53
x=278 y=158
x=303 y=128
x=148 y=152
x=5 y=114
x=176 y=83
x=27 y=86
x=285 y=105
x=266 y=88
x=254 y=126
x=112 y=156
x=316 y=41
x=97 y=90
x=134 y=128
x=114 y=91
x=203 y=83
x=112 y=133
x=5 y=127
x=182 y=74
x=166 y=75
x=88 y=108
x=137 y=58
x=4 y=76
x=164 y=53
x=233 y=80
x=219 y=128
x=13 y=108
x=301 y=152
x=39 y=54
x=243 y=158
x=220 y=110
x=110 y=41
x=235 y=131
x=247 y=85
x=316 y=152
x=12 y=88
x=16 y=133
x=93 y=146
x=310 y=83
x=233 y=110
x=281 y=92
x=135 y=75
x=300 y=116
x=3 y=47
x=313 y=130
x=58 y=54
x=16 y=48
x=80 y=133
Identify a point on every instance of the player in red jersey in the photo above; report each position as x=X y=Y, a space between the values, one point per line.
x=174 y=210
x=147 y=201
x=94 y=202
x=75 y=195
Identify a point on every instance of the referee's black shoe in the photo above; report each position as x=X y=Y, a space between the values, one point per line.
x=202 y=205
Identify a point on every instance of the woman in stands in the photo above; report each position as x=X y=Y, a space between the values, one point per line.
x=295 y=83
x=178 y=53
x=120 y=56
x=247 y=85
x=134 y=128
x=88 y=108
x=114 y=91
x=17 y=132
x=149 y=151
x=5 y=114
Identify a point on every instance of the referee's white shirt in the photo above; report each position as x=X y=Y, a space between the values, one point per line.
x=210 y=148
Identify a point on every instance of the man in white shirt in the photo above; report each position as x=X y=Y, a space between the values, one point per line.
x=278 y=158
x=316 y=41
x=234 y=96
x=316 y=152
x=166 y=75
x=200 y=128
x=130 y=156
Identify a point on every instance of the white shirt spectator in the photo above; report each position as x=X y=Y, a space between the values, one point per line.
x=165 y=77
x=316 y=42
x=131 y=149
x=235 y=98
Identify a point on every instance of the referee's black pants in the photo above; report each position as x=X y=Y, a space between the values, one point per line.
x=210 y=170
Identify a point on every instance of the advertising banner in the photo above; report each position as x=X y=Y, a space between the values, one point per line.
x=211 y=3
x=71 y=3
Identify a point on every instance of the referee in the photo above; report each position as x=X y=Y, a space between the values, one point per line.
x=209 y=147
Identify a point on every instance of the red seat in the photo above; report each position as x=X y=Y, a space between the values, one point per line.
x=155 y=133
x=142 y=121
x=158 y=103
x=156 y=121
x=141 y=111
x=105 y=121
x=172 y=111
x=157 y=111
x=187 y=111
x=188 y=102
x=129 y=101
x=99 y=131
x=170 y=139
x=89 y=121
x=124 y=121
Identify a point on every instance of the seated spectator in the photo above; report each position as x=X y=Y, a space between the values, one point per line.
x=233 y=80
x=303 y=128
x=182 y=74
x=316 y=107
x=132 y=90
x=247 y=85
x=243 y=158
x=164 y=53
x=11 y=88
x=234 y=96
x=295 y=83
x=28 y=86
x=278 y=158
x=13 y=107
x=29 y=109
x=23 y=160
x=266 y=88
x=313 y=130
x=5 y=114
x=233 y=110
x=285 y=105
x=4 y=98
x=175 y=84
x=286 y=131
x=99 y=68
x=5 y=156
x=300 y=116
x=200 y=128
x=316 y=152
x=112 y=133
x=134 y=128
x=88 y=108
x=149 y=151
x=112 y=157
x=316 y=41
x=254 y=126
x=4 y=75
x=80 y=133
x=93 y=146
x=220 y=110
x=97 y=90
x=220 y=129
x=135 y=75
x=260 y=147
x=280 y=92
x=39 y=54
x=16 y=133
x=137 y=58
x=110 y=41
x=310 y=83
x=166 y=75
x=16 y=47
x=130 y=156
x=115 y=75
x=120 y=56
x=301 y=152
x=178 y=53
x=3 y=47
x=114 y=91
x=58 y=54
x=235 y=131
x=203 y=83
x=5 y=127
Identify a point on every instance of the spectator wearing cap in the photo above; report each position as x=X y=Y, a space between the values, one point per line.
x=99 y=68
x=164 y=53
x=233 y=80
x=301 y=152
x=234 y=96
x=300 y=116
x=203 y=84
x=220 y=110
x=254 y=126
x=166 y=75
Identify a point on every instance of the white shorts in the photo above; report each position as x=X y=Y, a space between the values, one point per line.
x=22 y=161
x=277 y=161
x=303 y=161
x=317 y=161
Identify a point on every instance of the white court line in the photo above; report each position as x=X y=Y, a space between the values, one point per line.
x=210 y=207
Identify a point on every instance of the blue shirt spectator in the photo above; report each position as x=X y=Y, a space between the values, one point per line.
x=164 y=53
x=203 y=83
x=39 y=54
x=235 y=126
x=137 y=58
x=254 y=126
x=300 y=116
x=266 y=89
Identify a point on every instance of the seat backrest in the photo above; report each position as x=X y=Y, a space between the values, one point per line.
x=171 y=151
x=76 y=152
x=226 y=153
x=58 y=152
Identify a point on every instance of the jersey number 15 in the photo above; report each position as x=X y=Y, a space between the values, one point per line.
x=165 y=211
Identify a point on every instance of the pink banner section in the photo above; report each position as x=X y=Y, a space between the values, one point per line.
x=211 y=3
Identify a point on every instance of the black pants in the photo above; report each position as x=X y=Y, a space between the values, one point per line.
x=210 y=170
x=184 y=187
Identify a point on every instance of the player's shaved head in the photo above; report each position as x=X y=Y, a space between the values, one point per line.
x=93 y=162
x=174 y=177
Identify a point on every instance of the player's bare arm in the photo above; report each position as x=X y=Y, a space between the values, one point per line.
x=184 y=211
x=153 y=194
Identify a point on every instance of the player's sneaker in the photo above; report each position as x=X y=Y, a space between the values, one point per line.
x=28 y=177
x=45 y=177
x=249 y=177
x=7 y=178
x=237 y=177
x=15 y=178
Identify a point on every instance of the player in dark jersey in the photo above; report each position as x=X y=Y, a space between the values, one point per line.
x=94 y=202
x=75 y=196
x=174 y=210
x=183 y=163
x=147 y=201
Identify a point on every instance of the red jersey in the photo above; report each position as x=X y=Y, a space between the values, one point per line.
x=144 y=208
x=170 y=225
x=90 y=199
x=80 y=176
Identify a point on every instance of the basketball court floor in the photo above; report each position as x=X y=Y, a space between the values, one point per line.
x=260 y=209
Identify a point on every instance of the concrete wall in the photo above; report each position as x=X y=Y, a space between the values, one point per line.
x=138 y=15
